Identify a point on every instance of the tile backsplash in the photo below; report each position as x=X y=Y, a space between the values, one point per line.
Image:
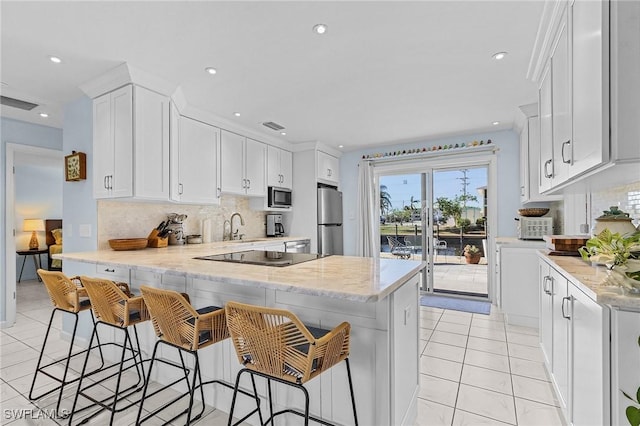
x=129 y=219
x=626 y=198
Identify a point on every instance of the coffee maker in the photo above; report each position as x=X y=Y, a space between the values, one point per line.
x=274 y=225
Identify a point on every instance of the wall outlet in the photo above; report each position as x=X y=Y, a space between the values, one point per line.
x=84 y=230
x=584 y=228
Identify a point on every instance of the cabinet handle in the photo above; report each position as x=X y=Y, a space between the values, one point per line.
x=248 y=183
x=562 y=152
x=109 y=270
x=328 y=172
x=546 y=173
x=545 y=281
x=522 y=191
x=280 y=178
x=218 y=191
x=104 y=182
x=565 y=316
x=110 y=182
x=180 y=189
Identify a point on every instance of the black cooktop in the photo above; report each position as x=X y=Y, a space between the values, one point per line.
x=262 y=257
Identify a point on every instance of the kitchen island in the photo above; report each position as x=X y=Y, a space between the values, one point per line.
x=379 y=297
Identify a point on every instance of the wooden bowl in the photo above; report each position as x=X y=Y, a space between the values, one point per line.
x=533 y=212
x=128 y=243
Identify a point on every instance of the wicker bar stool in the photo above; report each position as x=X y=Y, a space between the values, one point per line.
x=113 y=309
x=67 y=295
x=186 y=329
x=276 y=345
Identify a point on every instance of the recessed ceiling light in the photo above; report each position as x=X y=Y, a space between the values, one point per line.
x=340 y=146
x=495 y=123
x=44 y=115
x=211 y=70
x=55 y=59
x=500 y=55
x=320 y=28
x=283 y=133
x=237 y=114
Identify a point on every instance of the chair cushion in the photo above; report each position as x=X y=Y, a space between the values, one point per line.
x=84 y=303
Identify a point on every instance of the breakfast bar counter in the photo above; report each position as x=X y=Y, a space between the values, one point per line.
x=378 y=297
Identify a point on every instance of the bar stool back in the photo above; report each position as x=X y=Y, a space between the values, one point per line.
x=179 y=325
x=275 y=344
x=67 y=295
x=116 y=310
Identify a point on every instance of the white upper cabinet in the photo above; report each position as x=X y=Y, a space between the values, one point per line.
x=590 y=51
x=279 y=167
x=131 y=144
x=194 y=155
x=242 y=165
x=328 y=168
x=529 y=161
x=587 y=63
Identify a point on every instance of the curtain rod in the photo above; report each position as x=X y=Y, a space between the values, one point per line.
x=434 y=154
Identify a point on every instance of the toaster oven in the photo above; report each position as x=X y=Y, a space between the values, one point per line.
x=533 y=228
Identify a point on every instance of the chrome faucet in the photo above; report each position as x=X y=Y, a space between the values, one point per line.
x=234 y=235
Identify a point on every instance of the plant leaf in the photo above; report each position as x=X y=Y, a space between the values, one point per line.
x=633 y=416
x=627 y=395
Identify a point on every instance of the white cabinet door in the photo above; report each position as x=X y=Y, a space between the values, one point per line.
x=328 y=167
x=524 y=163
x=113 y=142
x=590 y=360
x=545 y=164
x=561 y=103
x=561 y=326
x=546 y=314
x=286 y=169
x=197 y=162
x=232 y=178
x=279 y=167
x=625 y=362
x=151 y=145
x=103 y=154
x=255 y=168
x=590 y=53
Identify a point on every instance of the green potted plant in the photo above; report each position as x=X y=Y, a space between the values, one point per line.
x=472 y=254
x=620 y=254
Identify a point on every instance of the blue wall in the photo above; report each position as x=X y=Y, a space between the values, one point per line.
x=79 y=207
x=508 y=176
x=22 y=133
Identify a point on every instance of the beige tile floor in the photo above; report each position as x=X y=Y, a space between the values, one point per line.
x=474 y=370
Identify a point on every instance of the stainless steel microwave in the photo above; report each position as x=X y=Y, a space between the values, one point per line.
x=278 y=197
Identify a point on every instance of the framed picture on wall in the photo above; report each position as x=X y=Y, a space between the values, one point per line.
x=75 y=166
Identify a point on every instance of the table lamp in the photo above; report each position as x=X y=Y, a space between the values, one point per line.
x=33 y=225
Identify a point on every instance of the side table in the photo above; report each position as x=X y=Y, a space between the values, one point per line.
x=35 y=255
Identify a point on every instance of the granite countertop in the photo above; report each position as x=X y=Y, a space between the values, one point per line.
x=591 y=280
x=346 y=277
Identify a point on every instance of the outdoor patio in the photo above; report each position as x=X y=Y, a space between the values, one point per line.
x=452 y=273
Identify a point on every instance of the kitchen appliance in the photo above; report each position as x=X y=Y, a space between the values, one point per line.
x=300 y=246
x=533 y=228
x=278 y=197
x=329 y=220
x=275 y=228
x=262 y=257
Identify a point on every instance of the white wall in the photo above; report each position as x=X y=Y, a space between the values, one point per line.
x=508 y=164
x=38 y=194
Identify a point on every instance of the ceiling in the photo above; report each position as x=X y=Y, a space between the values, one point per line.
x=384 y=72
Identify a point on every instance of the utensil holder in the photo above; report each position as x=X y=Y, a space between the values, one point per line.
x=154 y=241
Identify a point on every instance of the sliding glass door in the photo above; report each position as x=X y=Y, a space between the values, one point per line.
x=432 y=214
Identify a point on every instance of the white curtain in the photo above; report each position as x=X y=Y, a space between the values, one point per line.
x=367 y=210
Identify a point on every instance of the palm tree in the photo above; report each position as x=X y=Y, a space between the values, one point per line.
x=385 y=200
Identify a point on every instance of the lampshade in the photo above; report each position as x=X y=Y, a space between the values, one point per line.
x=33 y=225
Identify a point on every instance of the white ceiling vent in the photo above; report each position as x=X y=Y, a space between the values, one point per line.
x=273 y=126
x=17 y=103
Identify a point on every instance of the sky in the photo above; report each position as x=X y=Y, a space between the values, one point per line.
x=445 y=183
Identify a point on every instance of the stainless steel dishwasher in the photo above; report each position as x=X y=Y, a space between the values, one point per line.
x=299 y=246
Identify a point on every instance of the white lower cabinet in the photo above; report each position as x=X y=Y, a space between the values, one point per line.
x=518 y=283
x=574 y=337
x=625 y=362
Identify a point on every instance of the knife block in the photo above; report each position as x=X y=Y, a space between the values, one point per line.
x=154 y=241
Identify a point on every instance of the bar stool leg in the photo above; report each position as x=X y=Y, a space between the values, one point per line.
x=353 y=401
x=146 y=383
x=84 y=369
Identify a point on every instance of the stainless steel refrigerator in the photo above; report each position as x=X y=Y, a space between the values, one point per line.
x=329 y=221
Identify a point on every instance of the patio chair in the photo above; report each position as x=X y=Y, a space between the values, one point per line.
x=399 y=249
x=440 y=246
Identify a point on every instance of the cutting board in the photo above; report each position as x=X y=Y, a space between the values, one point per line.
x=565 y=243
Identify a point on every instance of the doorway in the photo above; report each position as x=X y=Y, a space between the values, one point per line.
x=433 y=214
